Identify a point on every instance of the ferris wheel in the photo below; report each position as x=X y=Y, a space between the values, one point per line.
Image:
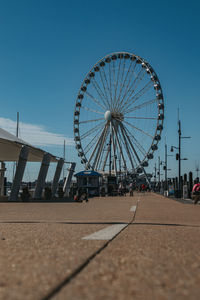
x=119 y=113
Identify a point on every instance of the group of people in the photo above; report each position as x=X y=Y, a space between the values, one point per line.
x=81 y=195
x=121 y=189
x=132 y=186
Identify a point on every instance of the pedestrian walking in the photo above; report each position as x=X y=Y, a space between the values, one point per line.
x=120 y=189
x=84 y=196
x=196 y=192
x=131 y=189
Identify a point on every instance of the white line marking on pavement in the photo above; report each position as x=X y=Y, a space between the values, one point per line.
x=105 y=234
x=133 y=208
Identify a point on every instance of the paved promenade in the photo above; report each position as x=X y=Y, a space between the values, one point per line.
x=142 y=247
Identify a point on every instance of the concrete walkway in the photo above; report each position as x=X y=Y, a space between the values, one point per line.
x=141 y=247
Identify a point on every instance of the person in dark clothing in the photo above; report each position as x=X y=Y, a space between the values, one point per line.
x=84 y=195
x=81 y=195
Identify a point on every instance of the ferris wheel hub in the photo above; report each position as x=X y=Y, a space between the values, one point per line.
x=108 y=115
x=118 y=116
x=113 y=115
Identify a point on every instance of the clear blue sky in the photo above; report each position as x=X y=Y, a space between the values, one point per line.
x=48 y=46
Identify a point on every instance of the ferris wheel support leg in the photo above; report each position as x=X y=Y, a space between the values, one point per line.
x=42 y=176
x=114 y=148
x=138 y=158
x=57 y=176
x=69 y=179
x=146 y=177
x=19 y=173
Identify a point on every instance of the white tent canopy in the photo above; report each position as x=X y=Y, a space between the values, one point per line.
x=10 y=147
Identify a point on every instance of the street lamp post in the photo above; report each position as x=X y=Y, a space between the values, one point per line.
x=159 y=173
x=178 y=155
x=166 y=185
x=166 y=168
x=155 y=176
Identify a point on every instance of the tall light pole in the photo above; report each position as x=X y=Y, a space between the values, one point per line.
x=166 y=167
x=178 y=155
x=159 y=171
x=110 y=160
x=155 y=174
x=64 y=162
x=166 y=180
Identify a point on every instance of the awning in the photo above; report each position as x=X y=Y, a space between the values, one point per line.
x=10 y=147
x=88 y=173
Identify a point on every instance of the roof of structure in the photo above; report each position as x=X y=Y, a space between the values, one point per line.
x=87 y=173
x=10 y=147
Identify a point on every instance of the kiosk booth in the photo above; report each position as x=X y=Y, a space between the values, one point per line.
x=90 y=181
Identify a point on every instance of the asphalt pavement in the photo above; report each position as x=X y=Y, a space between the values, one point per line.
x=140 y=247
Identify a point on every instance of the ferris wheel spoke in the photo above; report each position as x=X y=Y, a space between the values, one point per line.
x=132 y=88
x=123 y=80
x=124 y=146
x=92 y=142
x=140 y=93
x=141 y=106
x=128 y=88
x=133 y=148
x=97 y=149
x=105 y=91
x=97 y=145
x=141 y=118
x=120 y=147
x=120 y=90
x=138 y=158
x=102 y=144
x=89 y=132
x=99 y=92
x=110 y=79
x=116 y=86
x=114 y=81
x=105 y=159
x=106 y=155
x=93 y=110
x=136 y=142
x=139 y=129
x=130 y=91
x=114 y=148
x=107 y=84
x=128 y=145
x=139 y=78
x=95 y=100
x=127 y=149
x=123 y=85
x=89 y=121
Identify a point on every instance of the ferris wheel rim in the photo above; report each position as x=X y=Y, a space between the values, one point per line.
x=159 y=99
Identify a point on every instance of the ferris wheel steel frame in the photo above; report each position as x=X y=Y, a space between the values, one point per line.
x=108 y=93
